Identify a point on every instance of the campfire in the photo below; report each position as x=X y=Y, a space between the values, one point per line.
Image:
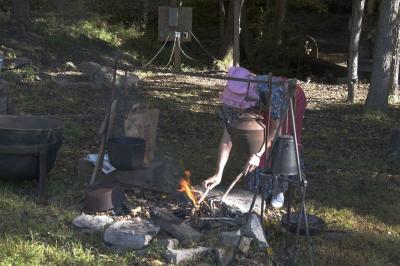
x=202 y=205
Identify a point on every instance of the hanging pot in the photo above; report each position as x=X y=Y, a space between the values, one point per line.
x=247 y=133
x=284 y=157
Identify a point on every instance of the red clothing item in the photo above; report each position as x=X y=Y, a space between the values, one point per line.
x=300 y=104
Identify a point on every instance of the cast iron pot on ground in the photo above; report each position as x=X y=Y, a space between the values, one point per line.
x=104 y=197
x=22 y=138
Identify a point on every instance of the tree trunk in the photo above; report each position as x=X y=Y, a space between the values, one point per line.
x=371 y=5
x=394 y=82
x=352 y=67
x=236 y=31
x=378 y=94
x=221 y=18
x=227 y=44
x=20 y=10
x=59 y=5
x=145 y=12
x=246 y=35
x=281 y=11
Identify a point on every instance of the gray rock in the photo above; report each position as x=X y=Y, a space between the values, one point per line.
x=66 y=84
x=240 y=200
x=104 y=75
x=254 y=230
x=70 y=66
x=231 y=239
x=162 y=176
x=130 y=234
x=169 y=243
x=89 y=68
x=4 y=88
x=224 y=254
x=17 y=63
x=12 y=76
x=177 y=256
x=91 y=223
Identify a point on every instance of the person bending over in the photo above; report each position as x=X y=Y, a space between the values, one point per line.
x=242 y=97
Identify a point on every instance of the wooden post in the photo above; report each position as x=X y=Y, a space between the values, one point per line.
x=177 y=51
x=236 y=32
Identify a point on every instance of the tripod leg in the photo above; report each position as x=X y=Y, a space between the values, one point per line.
x=263 y=180
x=303 y=203
x=288 y=211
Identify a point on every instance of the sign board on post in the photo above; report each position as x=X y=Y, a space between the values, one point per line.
x=174 y=19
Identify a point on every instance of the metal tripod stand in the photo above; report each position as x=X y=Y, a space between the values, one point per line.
x=301 y=180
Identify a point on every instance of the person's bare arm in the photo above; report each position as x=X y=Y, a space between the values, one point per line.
x=225 y=147
x=254 y=160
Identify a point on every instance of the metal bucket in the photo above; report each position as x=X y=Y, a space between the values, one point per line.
x=126 y=153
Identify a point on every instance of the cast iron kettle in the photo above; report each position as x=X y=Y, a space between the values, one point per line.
x=247 y=133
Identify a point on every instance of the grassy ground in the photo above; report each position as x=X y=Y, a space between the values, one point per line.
x=345 y=153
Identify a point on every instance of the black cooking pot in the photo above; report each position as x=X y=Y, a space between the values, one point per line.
x=126 y=153
x=20 y=140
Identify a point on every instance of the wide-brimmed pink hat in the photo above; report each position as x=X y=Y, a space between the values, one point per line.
x=240 y=94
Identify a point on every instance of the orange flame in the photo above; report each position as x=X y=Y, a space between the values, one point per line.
x=186 y=187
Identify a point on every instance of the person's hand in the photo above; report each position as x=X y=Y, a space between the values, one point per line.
x=252 y=164
x=212 y=181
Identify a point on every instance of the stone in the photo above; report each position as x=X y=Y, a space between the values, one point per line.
x=130 y=234
x=12 y=76
x=4 y=88
x=17 y=63
x=69 y=66
x=92 y=223
x=67 y=84
x=104 y=75
x=160 y=175
x=177 y=256
x=224 y=254
x=231 y=238
x=89 y=68
x=240 y=200
x=394 y=149
x=169 y=243
x=175 y=227
x=255 y=230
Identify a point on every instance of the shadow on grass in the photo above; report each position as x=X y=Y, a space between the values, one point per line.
x=346 y=157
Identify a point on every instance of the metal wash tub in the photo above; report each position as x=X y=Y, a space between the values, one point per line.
x=28 y=147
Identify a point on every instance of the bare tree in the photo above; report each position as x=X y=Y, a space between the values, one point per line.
x=281 y=11
x=378 y=94
x=352 y=67
x=145 y=12
x=20 y=10
x=59 y=5
x=221 y=18
x=394 y=82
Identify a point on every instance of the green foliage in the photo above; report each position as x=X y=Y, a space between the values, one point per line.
x=127 y=12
